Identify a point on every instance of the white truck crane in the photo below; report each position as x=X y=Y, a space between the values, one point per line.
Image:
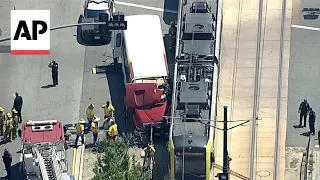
x=44 y=151
x=92 y=11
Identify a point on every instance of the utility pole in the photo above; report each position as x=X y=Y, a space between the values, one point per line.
x=225 y=140
x=224 y=175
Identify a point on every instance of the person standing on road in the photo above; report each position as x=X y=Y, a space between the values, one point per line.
x=2 y=120
x=113 y=130
x=80 y=132
x=15 y=123
x=8 y=128
x=7 y=160
x=303 y=110
x=90 y=115
x=172 y=35
x=95 y=130
x=312 y=121
x=108 y=110
x=54 y=72
x=17 y=105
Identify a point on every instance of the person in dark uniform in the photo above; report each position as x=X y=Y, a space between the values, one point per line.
x=303 y=110
x=54 y=72
x=17 y=105
x=312 y=121
x=172 y=35
x=7 y=160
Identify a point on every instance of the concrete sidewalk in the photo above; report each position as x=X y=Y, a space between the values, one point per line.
x=316 y=165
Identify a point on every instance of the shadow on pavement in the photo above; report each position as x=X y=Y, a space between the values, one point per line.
x=47 y=86
x=297 y=126
x=83 y=42
x=117 y=91
x=170 y=54
x=171 y=5
x=161 y=158
x=305 y=134
x=15 y=172
x=310 y=17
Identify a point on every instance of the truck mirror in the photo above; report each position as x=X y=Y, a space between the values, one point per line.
x=65 y=129
x=19 y=133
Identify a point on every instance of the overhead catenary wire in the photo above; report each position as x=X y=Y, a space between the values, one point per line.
x=253 y=140
x=277 y=138
x=61 y=27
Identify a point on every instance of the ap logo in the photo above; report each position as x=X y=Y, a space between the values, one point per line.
x=30 y=32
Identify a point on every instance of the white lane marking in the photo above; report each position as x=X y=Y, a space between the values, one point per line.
x=145 y=7
x=305 y=27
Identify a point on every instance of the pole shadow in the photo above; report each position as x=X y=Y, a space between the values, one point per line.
x=115 y=79
x=171 y=5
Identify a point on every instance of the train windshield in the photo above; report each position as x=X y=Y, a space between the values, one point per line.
x=194 y=167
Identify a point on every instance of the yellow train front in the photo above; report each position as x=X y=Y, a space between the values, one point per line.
x=191 y=157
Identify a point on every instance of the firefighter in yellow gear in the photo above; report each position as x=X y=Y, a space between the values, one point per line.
x=108 y=110
x=15 y=119
x=149 y=151
x=95 y=130
x=80 y=131
x=149 y=156
x=90 y=115
x=8 y=128
x=2 y=120
x=113 y=130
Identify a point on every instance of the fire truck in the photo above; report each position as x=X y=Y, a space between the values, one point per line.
x=146 y=73
x=44 y=151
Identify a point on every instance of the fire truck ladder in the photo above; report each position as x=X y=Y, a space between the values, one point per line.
x=50 y=169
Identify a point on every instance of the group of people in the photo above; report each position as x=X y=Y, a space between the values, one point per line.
x=305 y=110
x=109 y=124
x=9 y=122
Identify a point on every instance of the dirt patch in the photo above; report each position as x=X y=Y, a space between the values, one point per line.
x=89 y=162
x=293 y=162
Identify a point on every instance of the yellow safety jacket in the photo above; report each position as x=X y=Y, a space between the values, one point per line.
x=2 y=118
x=113 y=130
x=94 y=127
x=108 y=110
x=80 y=129
x=90 y=113
x=15 y=121
x=9 y=123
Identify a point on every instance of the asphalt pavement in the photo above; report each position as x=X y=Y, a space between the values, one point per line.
x=303 y=72
x=27 y=74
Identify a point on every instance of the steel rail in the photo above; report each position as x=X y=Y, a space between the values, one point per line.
x=253 y=141
x=278 y=115
x=60 y=27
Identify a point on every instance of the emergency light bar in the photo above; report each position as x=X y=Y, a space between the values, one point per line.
x=45 y=122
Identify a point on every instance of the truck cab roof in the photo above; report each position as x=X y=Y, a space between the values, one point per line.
x=97 y=4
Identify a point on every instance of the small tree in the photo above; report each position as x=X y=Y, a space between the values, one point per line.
x=116 y=163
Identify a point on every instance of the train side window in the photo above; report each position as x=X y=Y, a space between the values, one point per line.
x=119 y=39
